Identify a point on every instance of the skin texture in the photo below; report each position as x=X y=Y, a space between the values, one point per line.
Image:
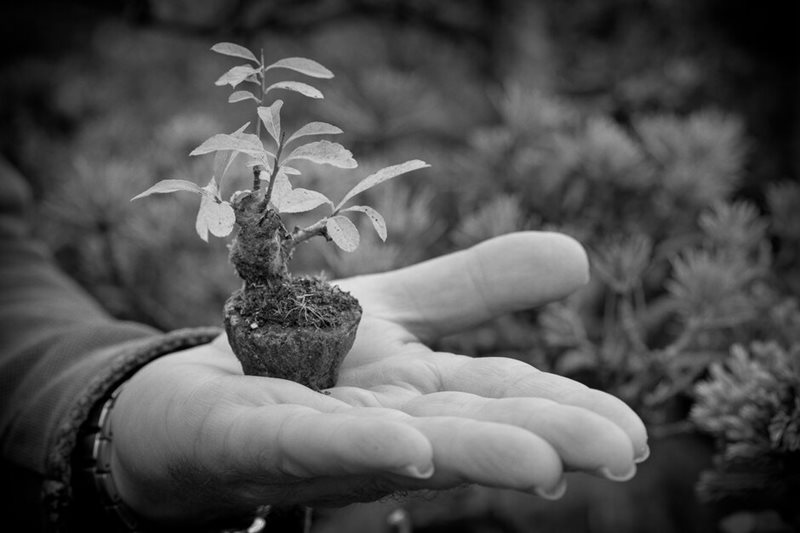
x=196 y=442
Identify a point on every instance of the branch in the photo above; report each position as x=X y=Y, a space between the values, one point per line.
x=275 y=168
x=303 y=234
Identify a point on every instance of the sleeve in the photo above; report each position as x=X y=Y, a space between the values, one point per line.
x=60 y=354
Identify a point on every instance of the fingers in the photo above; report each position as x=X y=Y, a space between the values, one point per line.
x=406 y=452
x=496 y=377
x=489 y=377
x=297 y=442
x=490 y=454
x=471 y=450
x=583 y=440
x=455 y=292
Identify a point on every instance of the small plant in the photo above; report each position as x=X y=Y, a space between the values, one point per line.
x=279 y=325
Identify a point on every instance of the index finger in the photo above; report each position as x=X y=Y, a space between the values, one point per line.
x=464 y=289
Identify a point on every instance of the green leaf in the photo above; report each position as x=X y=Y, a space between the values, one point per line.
x=343 y=232
x=315 y=128
x=215 y=215
x=166 y=186
x=240 y=96
x=237 y=75
x=298 y=87
x=324 y=152
x=376 y=218
x=290 y=170
x=302 y=65
x=381 y=176
x=271 y=117
x=302 y=200
x=234 y=50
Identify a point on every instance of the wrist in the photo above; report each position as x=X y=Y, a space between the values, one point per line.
x=108 y=493
x=96 y=490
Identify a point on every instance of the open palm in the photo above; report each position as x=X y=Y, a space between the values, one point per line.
x=197 y=442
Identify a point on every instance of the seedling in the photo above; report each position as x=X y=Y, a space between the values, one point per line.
x=280 y=325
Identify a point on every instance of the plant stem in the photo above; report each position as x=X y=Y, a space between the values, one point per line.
x=275 y=168
x=303 y=234
x=261 y=86
x=257 y=169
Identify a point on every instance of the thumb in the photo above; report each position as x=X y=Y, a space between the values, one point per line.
x=461 y=290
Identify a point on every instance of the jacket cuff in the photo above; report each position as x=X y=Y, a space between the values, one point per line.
x=57 y=488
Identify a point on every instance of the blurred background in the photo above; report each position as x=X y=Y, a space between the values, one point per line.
x=663 y=134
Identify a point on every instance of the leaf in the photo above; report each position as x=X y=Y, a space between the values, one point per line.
x=315 y=128
x=343 y=232
x=324 y=152
x=271 y=117
x=222 y=162
x=166 y=186
x=298 y=87
x=290 y=170
x=381 y=176
x=236 y=75
x=250 y=141
x=376 y=218
x=302 y=200
x=240 y=131
x=247 y=143
x=281 y=189
x=234 y=50
x=240 y=96
x=302 y=65
x=215 y=215
x=224 y=159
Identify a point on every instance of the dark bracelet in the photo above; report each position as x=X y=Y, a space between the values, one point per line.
x=96 y=438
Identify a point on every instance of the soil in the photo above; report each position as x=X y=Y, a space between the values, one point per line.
x=296 y=302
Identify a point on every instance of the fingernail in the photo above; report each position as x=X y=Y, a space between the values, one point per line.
x=642 y=455
x=614 y=476
x=416 y=472
x=556 y=493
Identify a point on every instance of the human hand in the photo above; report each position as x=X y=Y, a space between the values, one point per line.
x=198 y=442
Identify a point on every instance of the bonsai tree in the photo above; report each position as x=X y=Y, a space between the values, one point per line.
x=280 y=325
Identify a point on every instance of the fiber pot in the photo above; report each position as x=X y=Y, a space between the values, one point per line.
x=307 y=349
